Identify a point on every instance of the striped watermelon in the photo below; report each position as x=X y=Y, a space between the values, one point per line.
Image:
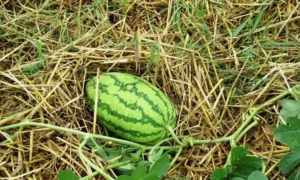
x=131 y=107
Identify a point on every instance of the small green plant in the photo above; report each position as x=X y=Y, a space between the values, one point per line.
x=288 y=133
x=240 y=166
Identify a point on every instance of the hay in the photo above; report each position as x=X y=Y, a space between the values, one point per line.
x=214 y=59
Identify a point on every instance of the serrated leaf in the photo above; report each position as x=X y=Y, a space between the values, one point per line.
x=124 y=177
x=67 y=175
x=139 y=172
x=257 y=175
x=289 y=161
x=290 y=108
x=289 y=134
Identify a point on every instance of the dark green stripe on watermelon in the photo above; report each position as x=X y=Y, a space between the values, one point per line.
x=145 y=96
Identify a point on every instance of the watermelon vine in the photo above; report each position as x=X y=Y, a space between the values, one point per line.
x=153 y=150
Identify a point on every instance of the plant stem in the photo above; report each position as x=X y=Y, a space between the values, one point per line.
x=253 y=112
x=84 y=158
x=245 y=131
x=73 y=131
x=13 y=136
x=207 y=141
x=118 y=164
x=176 y=156
x=169 y=128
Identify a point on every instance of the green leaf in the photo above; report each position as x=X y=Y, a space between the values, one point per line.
x=295 y=175
x=257 y=175
x=220 y=174
x=124 y=177
x=67 y=175
x=290 y=108
x=159 y=168
x=151 y=176
x=125 y=169
x=289 y=134
x=139 y=172
x=237 y=178
x=238 y=152
x=155 y=155
x=244 y=166
x=289 y=161
x=240 y=165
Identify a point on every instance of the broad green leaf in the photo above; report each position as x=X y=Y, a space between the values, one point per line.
x=289 y=134
x=257 y=175
x=244 y=166
x=139 y=172
x=289 y=161
x=240 y=166
x=219 y=174
x=67 y=175
x=295 y=175
x=124 y=177
x=159 y=168
x=151 y=176
x=238 y=152
x=290 y=108
x=237 y=178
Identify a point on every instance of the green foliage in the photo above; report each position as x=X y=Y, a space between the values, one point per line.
x=156 y=171
x=117 y=155
x=67 y=175
x=295 y=175
x=257 y=175
x=289 y=134
x=240 y=166
x=290 y=108
x=289 y=161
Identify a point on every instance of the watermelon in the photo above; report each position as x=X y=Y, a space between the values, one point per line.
x=131 y=107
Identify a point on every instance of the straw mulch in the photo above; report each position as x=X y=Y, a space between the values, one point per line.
x=50 y=48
